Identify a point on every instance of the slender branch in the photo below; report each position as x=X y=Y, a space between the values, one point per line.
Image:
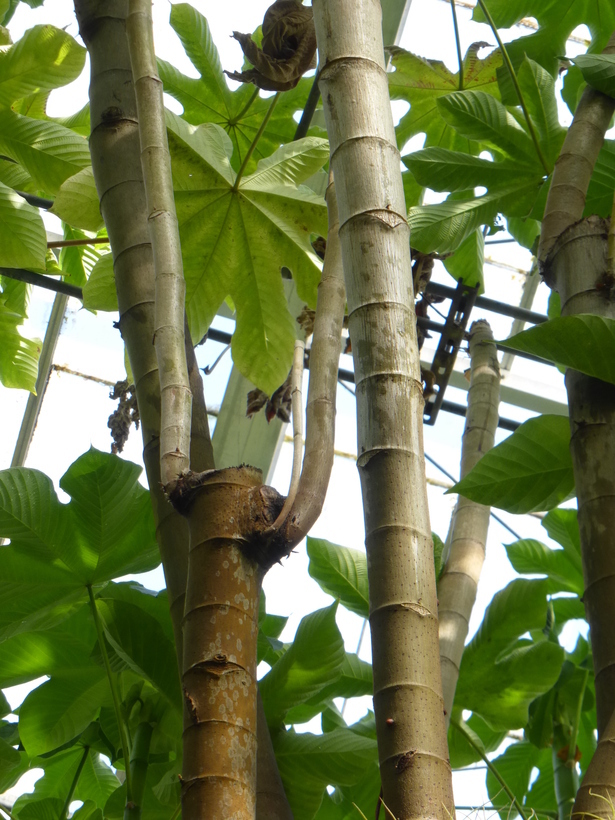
x=611 y=240
x=234 y=120
x=42 y=281
x=297 y=408
x=493 y=769
x=115 y=695
x=69 y=243
x=320 y=408
x=7 y=811
x=73 y=785
x=308 y=112
x=139 y=763
x=169 y=338
x=259 y=134
x=515 y=82
x=576 y=721
x=458 y=44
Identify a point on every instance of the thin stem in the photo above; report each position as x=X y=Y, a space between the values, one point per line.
x=297 y=408
x=115 y=695
x=611 y=241
x=68 y=243
x=308 y=112
x=234 y=120
x=6 y=810
x=139 y=764
x=458 y=44
x=259 y=134
x=513 y=77
x=73 y=785
x=176 y=813
x=493 y=769
x=574 y=732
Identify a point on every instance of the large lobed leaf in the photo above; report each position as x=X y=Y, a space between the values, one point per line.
x=423 y=82
x=313 y=661
x=46 y=57
x=583 y=342
x=501 y=673
x=23 y=242
x=235 y=241
x=208 y=98
x=530 y=471
x=341 y=572
x=308 y=763
x=57 y=549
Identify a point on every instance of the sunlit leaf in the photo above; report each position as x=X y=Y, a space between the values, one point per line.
x=530 y=471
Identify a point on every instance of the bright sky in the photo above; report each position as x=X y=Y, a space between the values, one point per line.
x=75 y=410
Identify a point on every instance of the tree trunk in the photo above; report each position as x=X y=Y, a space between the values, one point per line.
x=374 y=236
x=470 y=523
x=574 y=257
x=115 y=149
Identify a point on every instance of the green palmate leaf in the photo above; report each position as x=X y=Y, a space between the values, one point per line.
x=60 y=709
x=600 y=192
x=33 y=106
x=598 y=71
x=313 y=661
x=78 y=261
x=563 y=526
x=341 y=572
x=501 y=673
x=111 y=517
x=208 y=99
x=538 y=89
x=444 y=227
x=77 y=202
x=422 y=82
x=53 y=651
x=583 y=342
x=88 y=811
x=530 y=471
x=468 y=260
x=79 y=122
x=49 y=808
x=444 y=170
x=556 y=22
x=355 y=679
x=23 y=242
x=139 y=638
x=480 y=117
x=99 y=291
x=352 y=802
x=530 y=557
x=15 y=295
x=13 y=175
x=152 y=807
x=46 y=57
x=49 y=152
x=18 y=355
x=515 y=766
x=461 y=752
x=308 y=763
x=235 y=242
x=525 y=231
x=56 y=549
x=96 y=782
